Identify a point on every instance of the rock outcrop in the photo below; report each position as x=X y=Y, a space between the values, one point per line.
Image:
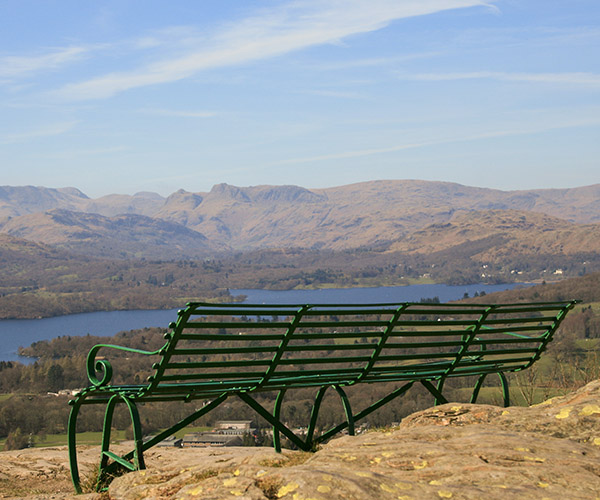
x=459 y=451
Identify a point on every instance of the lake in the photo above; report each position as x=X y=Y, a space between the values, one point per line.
x=23 y=332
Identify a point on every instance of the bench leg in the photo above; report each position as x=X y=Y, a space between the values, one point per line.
x=440 y=388
x=313 y=416
x=505 y=391
x=276 y=423
x=72 y=441
x=439 y=397
x=347 y=409
x=315 y=413
x=503 y=382
x=138 y=455
x=477 y=388
x=276 y=414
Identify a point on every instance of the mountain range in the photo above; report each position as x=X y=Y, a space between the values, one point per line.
x=401 y=215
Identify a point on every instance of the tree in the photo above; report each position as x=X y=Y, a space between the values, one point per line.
x=248 y=439
x=56 y=377
x=16 y=440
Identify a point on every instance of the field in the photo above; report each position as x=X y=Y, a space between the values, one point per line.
x=93 y=438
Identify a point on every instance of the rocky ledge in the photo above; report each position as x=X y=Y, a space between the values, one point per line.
x=459 y=451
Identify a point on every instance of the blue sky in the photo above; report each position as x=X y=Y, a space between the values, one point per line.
x=146 y=95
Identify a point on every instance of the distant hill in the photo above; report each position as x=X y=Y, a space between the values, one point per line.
x=403 y=215
x=15 y=201
x=24 y=200
x=357 y=215
x=123 y=236
x=521 y=232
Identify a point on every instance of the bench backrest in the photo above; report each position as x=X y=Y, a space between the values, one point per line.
x=214 y=348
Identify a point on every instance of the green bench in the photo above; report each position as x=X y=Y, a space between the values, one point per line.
x=217 y=351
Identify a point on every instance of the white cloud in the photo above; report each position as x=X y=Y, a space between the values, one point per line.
x=69 y=154
x=19 y=66
x=573 y=78
x=294 y=26
x=50 y=130
x=177 y=113
x=524 y=124
x=374 y=61
x=339 y=94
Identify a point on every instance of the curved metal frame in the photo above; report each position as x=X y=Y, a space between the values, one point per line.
x=105 y=468
x=503 y=382
x=309 y=442
x=72 y=441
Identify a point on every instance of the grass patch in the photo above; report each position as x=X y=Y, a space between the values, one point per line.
x=83 y=438
x=4 y=397
x=493 y=395
x=587 y=344
x=95 y=438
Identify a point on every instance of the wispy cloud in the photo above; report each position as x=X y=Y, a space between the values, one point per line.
x=70 y=154
x=573 y=78
x=374 y=61
x=50 y=130
x=338 y=94
x=178 y=113
x=270 y=33
x=19 y=66
x=543 y=124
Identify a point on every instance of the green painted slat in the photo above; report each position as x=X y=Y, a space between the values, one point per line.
x=194 y=376
x=216 y=337
x=240 y=311
x=242 y=325
x=221 y=375
x=419 y=345
x=217 y=364
x=408 y=357
x=512 y=321
x=336 y=335
x=507 y=340
x=495 y=362
x=492 y=369
x=428 y=333
x=328 y=347
x=341 y=324
x=224 y=350
x=512 y=329
x=411 y=369
x=503 y=351
x=310 y=361
x=511 y=309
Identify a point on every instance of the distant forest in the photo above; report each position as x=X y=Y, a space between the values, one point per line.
x=43 y=282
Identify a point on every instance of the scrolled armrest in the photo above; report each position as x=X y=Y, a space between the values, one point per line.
x=103 y=366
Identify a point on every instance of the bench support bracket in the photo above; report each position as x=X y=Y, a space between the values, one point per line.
x=503 y=382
